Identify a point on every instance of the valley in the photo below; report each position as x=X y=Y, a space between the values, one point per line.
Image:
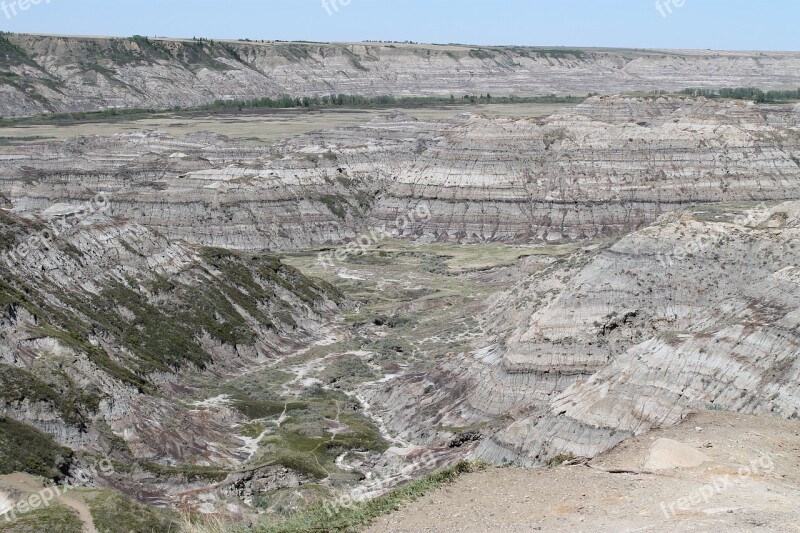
x=275 y=317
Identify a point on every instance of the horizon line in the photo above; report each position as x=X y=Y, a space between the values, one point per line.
x=403 y=43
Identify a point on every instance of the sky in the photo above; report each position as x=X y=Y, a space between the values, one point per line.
x=698 y=24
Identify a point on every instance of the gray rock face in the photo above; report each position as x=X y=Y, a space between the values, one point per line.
x=604 y=168
x=697 y=311
x=66 y=74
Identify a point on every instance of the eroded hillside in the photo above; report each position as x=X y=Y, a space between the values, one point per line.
x=248 y=329
x=43 y=74
x=601 y=169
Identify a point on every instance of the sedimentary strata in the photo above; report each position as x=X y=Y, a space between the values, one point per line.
x=67 y=74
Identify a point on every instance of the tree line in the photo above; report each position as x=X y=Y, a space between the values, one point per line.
x=350 y=100
x=747 y=93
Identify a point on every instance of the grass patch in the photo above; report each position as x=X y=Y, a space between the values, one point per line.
x=260 y=385
x=303 y=463
x=191 y=473
x=26 y=449
x=310 y=439
x=348 y=372
x=319 y=517
x=253 y=430
x=55 y=518
x=259 y=409
x=114 y=513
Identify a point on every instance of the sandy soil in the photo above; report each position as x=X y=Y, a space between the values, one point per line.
x=749 y=481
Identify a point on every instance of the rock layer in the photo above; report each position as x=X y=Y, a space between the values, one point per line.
x=602 y=169
x=67 y=74
x=697 y=311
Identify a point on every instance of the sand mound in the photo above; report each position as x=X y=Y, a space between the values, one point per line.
x=666 y=454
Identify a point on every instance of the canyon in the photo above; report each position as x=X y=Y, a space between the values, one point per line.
x=248 y=328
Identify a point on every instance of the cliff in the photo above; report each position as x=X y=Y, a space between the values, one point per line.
x=43 y=74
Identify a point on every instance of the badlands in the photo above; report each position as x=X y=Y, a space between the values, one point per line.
x=293 y=327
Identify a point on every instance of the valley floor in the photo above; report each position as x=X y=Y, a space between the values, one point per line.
x=749 y=482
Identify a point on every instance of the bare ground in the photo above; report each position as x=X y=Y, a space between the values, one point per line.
x=750 y=482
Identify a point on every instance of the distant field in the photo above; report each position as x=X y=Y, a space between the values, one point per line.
x=266 y=126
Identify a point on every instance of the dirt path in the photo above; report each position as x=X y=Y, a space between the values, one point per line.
x=750 y=481
x=30 y=485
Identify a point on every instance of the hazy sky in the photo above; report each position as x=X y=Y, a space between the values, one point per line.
x=718 y=24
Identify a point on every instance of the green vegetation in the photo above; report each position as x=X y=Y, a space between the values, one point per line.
x=160 y=333
x=260 y=385
x=318 y=428
x=344 y=100
x=202 y=54
x=259 y=409
x=561 y=53
x=156 y=320
x=54 y=518
x=156 y=337
x=54 y=322
x=253 y=429
x=194 y=55
x=289 y=102
x=480 y=54
x=91 y=116
x=151 y=49
x=191 y=473
x=244 y=270
x=17 y=385
x=748 y=93
x=26 y=449
x=114 y=513
x=12 y=55
x=335 y=204
x=360 y=514
x=560 y=459
x=348 y=372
